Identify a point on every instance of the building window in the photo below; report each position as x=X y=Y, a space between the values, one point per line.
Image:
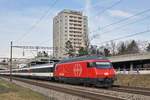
x=79 y=17
x=71 y=16
x=79 y=21
x=71 y=23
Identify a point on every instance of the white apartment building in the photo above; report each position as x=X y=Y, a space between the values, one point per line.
x=69 y=25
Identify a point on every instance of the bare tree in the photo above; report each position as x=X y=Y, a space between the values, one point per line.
x=133 y=47
x=113 y=48
x=122 y=48
x=148 y=47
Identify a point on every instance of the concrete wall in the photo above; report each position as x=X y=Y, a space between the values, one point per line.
x=130 y=57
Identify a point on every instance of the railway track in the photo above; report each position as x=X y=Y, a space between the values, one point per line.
x=140 y=88
x=135 y=90
x=88 y=92
x=73 y=91
x=117 y=88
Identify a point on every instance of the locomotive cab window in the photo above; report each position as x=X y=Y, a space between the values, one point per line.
x=103 y=65
x=90 y=64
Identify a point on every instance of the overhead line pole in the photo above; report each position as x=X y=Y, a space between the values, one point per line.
x=11 y=45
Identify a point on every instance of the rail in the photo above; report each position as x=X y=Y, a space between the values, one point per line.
x=73 y=91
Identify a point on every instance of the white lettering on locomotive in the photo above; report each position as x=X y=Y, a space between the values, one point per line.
x=61 y=74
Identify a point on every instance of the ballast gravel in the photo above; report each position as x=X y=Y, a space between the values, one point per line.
x=54 y=95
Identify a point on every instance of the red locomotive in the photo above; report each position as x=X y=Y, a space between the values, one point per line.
x=89 y=70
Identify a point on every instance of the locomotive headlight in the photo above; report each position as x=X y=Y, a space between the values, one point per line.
x=106 y=74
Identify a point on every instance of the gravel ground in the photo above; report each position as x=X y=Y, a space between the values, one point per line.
x=54 y=95
x=127 y=96
x=50 y=94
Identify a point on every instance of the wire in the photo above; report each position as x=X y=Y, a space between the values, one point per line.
x=117 y=22
x=127 y=36
x=42 y=42
x=120 y=27
x=122 y=20
x=37 y=22
x=116 y=3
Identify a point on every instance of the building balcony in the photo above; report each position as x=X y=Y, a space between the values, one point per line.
x=72 y=31
x=77 y=28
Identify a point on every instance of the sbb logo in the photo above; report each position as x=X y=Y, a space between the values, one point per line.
x=77 y=69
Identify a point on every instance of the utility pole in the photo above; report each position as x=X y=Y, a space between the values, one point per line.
x=11 y=45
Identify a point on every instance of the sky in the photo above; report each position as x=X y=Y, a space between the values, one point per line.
x=30 y=22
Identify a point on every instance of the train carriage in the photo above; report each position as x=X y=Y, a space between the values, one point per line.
x=41 y=71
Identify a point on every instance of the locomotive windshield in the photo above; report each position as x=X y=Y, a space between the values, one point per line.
x=103 y=65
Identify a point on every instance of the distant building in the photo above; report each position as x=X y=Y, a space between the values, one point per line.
x=69 y=25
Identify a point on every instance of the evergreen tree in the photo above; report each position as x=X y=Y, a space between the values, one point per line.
x=45 y=54
x=82 y=51
x=122 y=48
x=93 y=49
x=148 y=47
x=69 y=49
x=106 y=52
x=42 y=54
x=133 y=47
x=99 y=52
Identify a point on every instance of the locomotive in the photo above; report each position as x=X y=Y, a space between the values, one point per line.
x=88 y=70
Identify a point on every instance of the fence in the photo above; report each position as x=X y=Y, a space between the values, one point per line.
x=133 y=71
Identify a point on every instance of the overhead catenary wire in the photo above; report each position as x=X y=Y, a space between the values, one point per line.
x=100 y=12
x=38 y=21
x=122 y=20
x=127 y=24
x=116 y=3
x=127 y=36
x=93 y=6
x=113 y=5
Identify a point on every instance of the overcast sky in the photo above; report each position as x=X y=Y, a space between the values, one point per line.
x=29 y=22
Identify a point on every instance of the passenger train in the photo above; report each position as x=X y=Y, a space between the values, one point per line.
x=88 y=70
